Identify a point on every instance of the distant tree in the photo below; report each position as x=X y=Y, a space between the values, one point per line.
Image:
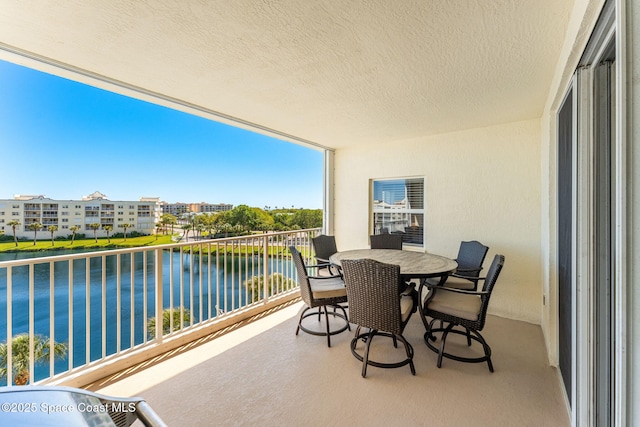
x=244 y=217
x=199 y=228
x=35 y=226
x=74 y=229
x=108 y=229
x=168 y=220
x=52 y=229
x=14 y=224
x=186 y=228
x=307 y=218
x=167 y=313
x=95 y=226
x=20 y=355
x=125 y=226
x=277 y=282
x=225 y=228
x=158 y=229
x=209 y=224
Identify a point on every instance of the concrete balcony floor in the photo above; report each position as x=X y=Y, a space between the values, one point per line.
x=261 y=373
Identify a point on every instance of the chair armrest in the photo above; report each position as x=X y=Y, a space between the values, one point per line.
x=411 y=288
x=337 y=276
x=458 y=291
x=472 y=278
x=467 y=270
x=320 y=265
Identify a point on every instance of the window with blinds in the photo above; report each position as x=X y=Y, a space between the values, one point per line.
x=397 y=207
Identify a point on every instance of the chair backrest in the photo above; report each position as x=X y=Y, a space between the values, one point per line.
x=373 y=292
x=386 y=241
x=303 y=277
x=489 y=283
x=471 y=257
x=324 y=246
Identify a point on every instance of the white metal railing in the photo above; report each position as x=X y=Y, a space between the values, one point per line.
x=106 y=303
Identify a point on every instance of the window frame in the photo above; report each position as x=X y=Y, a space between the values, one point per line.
x=413 y=213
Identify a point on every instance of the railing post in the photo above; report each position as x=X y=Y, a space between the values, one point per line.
x=265 y=268
x=9 y=326
x=159 y=296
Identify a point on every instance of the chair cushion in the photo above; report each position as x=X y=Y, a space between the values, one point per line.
x=406 y=306
x=453 y=282
x=458 y=305
x=327 y=288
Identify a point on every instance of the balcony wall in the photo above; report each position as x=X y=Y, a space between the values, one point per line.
x=481 y=184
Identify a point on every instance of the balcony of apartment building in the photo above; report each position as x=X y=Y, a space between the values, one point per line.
x=479 y=101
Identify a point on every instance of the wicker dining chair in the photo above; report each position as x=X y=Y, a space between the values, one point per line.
x=461 y=307
x=320 y=292
x=470 y=258
x=386 y=241
x=325 y=246
x=375 y=303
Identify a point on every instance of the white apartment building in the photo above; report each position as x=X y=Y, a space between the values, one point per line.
x=179 y=208
x=142 y=215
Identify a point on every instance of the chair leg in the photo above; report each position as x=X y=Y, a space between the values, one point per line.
x=328 y=332
x=444 y=340
x=300 y=320
x=468 y=337
x=429 y=334
x=326 y=320
x=487 y=350
x=365 y=361
x=343 y=312
x=409 y=351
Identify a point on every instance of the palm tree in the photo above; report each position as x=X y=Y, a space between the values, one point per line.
x=125 y=226
x=94 y=226
x=186 y=228
x=20 y=355
x=158 y=229
x=276 y=282
x=107 y=229
x=14 y=224
x=35 y=226
x=166 y=321
x=52 y=229
x=168 y=219
x=74 y=229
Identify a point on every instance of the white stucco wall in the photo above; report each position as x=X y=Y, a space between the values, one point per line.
x=481 y=184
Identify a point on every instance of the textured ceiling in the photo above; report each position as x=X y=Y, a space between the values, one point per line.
x=334 y=72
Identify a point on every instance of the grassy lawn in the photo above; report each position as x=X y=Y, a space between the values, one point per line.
x=84 y=244
x=116 y=243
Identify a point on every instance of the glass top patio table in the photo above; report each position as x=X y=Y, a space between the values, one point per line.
x=412 y=264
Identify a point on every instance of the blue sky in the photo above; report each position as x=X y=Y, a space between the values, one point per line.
x=66 y=140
